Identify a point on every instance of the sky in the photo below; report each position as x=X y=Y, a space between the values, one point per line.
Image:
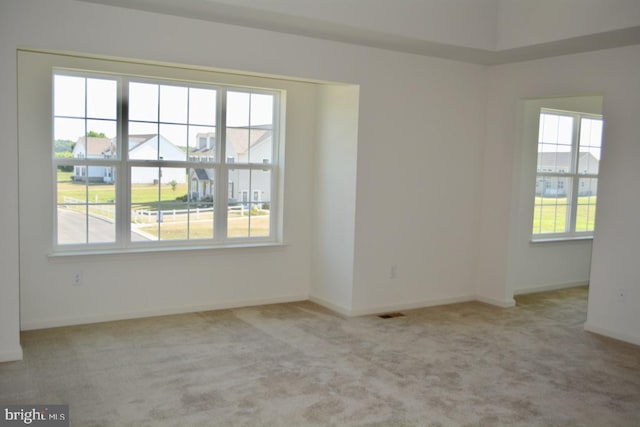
x=178 y=112
x=556 y=134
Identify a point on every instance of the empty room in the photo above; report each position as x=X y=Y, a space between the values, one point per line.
x=296 y=212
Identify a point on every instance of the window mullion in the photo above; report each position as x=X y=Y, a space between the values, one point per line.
x=123 y=220
x=221 y=172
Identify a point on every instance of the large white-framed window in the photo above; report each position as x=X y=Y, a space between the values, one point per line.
x=141 y=162
x=568 y=161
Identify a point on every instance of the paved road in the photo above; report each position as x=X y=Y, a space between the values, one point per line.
x=72 y=229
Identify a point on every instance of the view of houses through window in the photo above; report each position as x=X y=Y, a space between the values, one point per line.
x=139 y=160
x=569 y=146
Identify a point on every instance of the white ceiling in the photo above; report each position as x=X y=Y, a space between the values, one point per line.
x=477 y=31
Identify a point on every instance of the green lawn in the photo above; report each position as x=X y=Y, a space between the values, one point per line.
x=203 y=227
x=151 y=197
x=143 y=196
x=550 y=214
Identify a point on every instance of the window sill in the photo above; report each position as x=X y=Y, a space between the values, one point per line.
x=169 y=250
x=561 y=239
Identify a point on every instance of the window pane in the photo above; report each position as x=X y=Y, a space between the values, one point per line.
x=101 y=141
x=68 y=96
x=259 y=224
x=71 y=186
x=238 y=210
x=555 y=129
x=260 y=145
x=102 y=225
x=173 y=104
x=143 y=102
x=103 y=188
x=202 y=107
x=590 y=145
x=144 y=146
x=586 y=209
x=250 y=128
x=202 y=143
x=201 y=198
x=158 y=194
x=173 y=207
x=261 y=110
x=173 y=142
x=72 y=224
x=145 y=197
x=552 y=206
x=238 y=109
x=237 y=146
x=249 y=213
x=102 y=98
x=554 y=146
x=66 y=134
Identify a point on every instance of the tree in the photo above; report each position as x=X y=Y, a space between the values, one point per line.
x=94 y=134
x=63 y=146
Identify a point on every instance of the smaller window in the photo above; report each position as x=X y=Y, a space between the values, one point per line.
x=569 y=146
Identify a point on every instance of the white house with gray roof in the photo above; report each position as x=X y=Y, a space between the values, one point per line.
x=244 y=145
x=560 y=162
x=141 y=147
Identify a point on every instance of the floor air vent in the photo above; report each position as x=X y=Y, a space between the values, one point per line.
x=390 y=315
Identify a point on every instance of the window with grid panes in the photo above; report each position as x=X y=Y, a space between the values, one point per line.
x=154 y=162
x=569 y=148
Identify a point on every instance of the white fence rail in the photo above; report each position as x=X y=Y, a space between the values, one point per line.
x=146 y=216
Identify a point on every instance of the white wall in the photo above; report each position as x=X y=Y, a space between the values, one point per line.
x=529 y=22
x=429 y=111
x=538 y=266
x=121 y=286
x=334 y=211
x=419 y=159
x=612 y=73
x=9 y=260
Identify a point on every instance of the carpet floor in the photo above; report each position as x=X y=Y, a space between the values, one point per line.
x=298 y=364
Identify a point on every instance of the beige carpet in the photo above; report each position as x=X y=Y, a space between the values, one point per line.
x=299 y=364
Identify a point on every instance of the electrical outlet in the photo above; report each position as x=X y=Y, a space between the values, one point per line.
x=393 y=271
x=76 y=280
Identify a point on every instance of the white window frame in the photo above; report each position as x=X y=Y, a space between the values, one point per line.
x=221 y=167
x=573 y=174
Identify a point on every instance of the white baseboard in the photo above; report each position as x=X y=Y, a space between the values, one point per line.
x=11 y=355
x=331 y=306
x=633 y=339
x=544 y=288
x=81 y=320
x=506 y=303
x=365 y=311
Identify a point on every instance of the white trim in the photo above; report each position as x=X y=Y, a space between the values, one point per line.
x=367 y=311
x=544 y=288
x=170 y=250
x=506 y=303
x=167 y=311
x=411 y=306
x=633 y=339
x=11 y=355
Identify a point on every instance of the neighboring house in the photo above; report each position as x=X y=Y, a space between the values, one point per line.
x=243 y=146
x=561 y=162
x=93 y=148
x=141 y=147
x=145 y=147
